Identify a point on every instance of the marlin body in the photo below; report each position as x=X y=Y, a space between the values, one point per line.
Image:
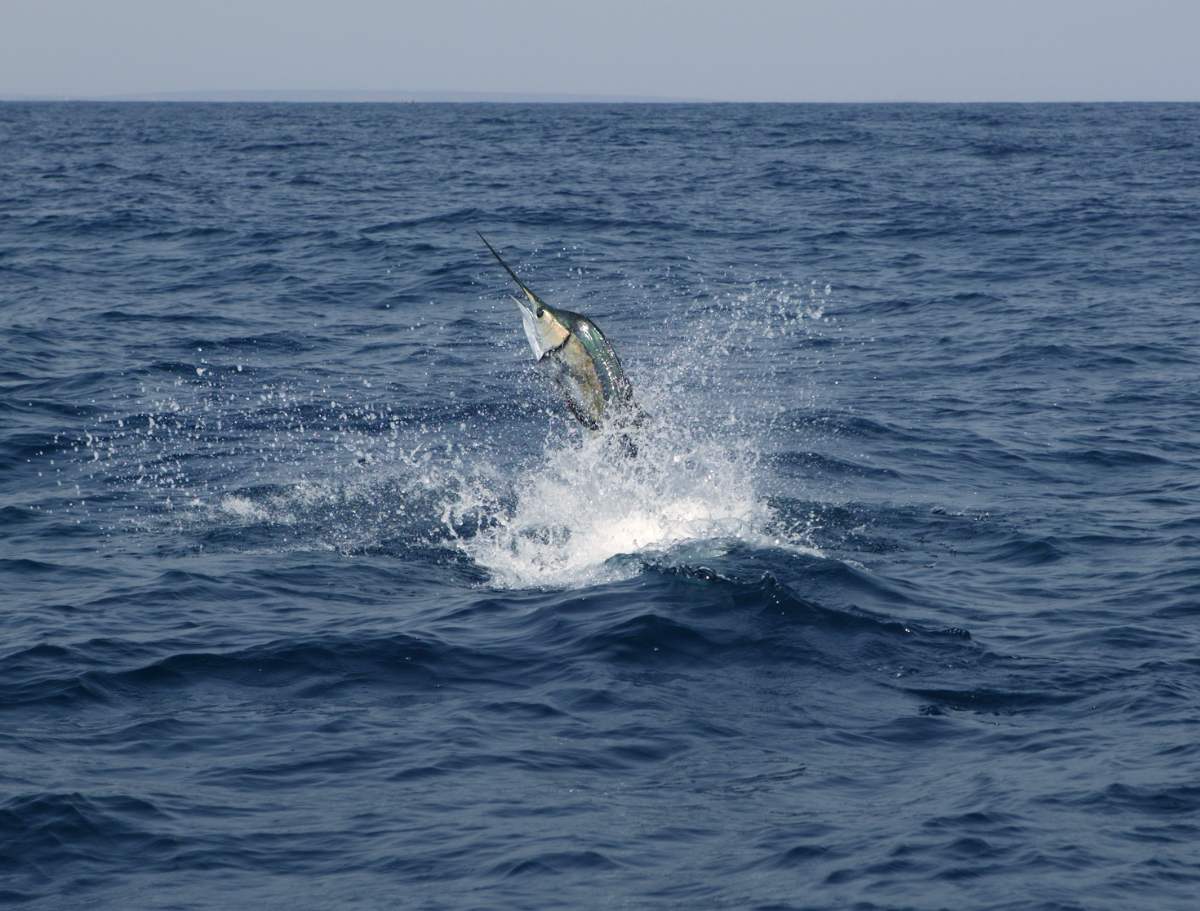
x=582 y=363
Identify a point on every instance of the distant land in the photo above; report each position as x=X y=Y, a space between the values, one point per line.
x=330 y=95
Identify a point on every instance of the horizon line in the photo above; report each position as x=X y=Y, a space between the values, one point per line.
x=374 y=96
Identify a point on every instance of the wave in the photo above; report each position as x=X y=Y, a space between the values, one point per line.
x=301 y=668
x=53 y=831
x=686 y=616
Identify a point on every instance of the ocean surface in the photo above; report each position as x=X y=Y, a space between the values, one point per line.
x=313 y=595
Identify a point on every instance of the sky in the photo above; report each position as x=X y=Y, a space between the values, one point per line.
x=721 y=50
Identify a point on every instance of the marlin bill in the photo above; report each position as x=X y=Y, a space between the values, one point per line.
x=579 y=359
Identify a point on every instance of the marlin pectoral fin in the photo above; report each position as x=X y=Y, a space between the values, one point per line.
x=530 y=328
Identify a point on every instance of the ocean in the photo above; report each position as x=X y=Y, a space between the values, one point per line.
x=314 y=596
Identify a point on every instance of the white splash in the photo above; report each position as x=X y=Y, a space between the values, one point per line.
x=244 y=508
x=584 y=512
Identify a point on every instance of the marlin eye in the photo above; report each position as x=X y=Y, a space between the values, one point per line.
x=540 y=312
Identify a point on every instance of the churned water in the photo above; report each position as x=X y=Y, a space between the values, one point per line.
x=313 y=597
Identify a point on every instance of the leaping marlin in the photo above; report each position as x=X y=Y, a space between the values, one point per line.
x=580 y=359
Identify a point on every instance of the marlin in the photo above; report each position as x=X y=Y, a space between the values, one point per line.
x=582 y=363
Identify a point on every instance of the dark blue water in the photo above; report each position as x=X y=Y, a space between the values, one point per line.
x=314 y=597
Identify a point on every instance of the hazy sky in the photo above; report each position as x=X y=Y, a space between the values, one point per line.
x=771 y=50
